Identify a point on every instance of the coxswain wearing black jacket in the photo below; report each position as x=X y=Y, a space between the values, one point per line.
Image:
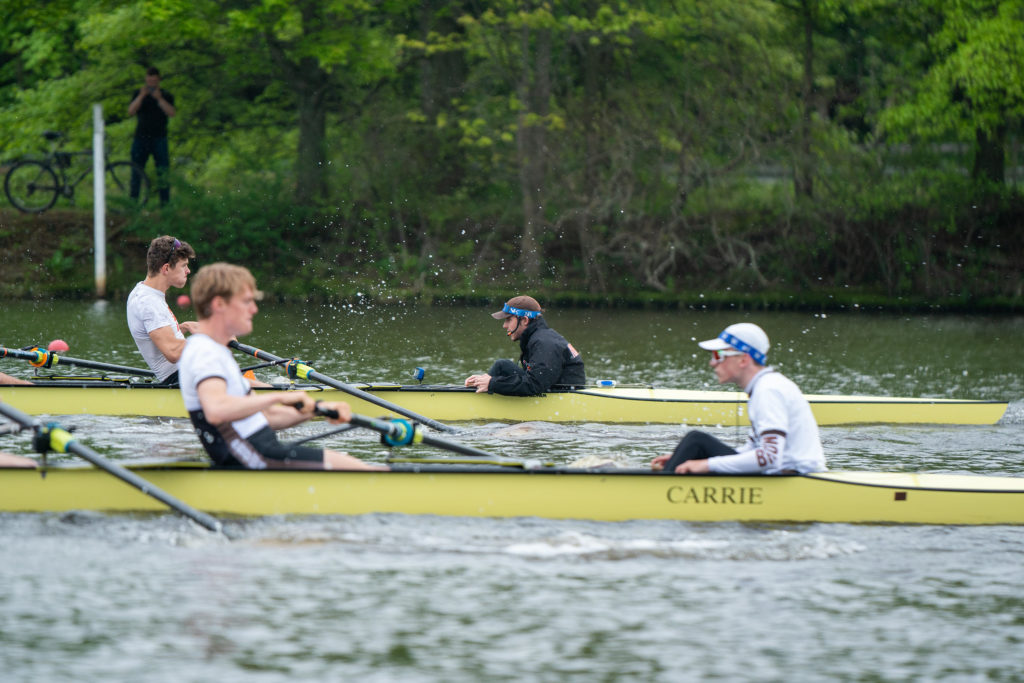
x=547 y=359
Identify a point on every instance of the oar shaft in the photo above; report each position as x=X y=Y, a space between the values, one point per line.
x=62 y=442
x=313 y=375
x=129 y=477
x=95 y=365
x=39 y=358
x=315 y=437
x=458 y=447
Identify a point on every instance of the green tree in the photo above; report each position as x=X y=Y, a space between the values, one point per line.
x=972 y=89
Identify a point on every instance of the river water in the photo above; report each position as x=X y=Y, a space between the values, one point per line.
x=389 y=597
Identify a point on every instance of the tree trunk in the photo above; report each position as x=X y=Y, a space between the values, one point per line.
x=442 y=77
x=593 y=95
x=803 y=171
x=990 y=156
x=311 y=162
x=534 y=92
x=309 y=82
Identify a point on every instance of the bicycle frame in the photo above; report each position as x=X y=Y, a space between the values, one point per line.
x=67 y=184
x=34 y=184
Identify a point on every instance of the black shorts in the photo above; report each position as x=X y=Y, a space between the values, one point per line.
x=266 y=442
x=259 y=451
x=170 y=380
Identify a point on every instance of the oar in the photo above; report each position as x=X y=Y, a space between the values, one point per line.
x=44 y=359
x=303 y=371
x=315 y=437
x=52 y=437
x=404 y=433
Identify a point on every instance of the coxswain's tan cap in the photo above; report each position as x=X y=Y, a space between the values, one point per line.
x=519 y=306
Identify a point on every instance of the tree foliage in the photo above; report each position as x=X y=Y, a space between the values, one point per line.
x=652 y=145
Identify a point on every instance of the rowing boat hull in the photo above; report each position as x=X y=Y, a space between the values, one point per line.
x=450 y=403
x=852 y=497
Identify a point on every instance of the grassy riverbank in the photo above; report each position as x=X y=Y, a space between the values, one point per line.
x=51 y=256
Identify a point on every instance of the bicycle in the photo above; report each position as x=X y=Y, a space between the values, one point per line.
x=33 y=186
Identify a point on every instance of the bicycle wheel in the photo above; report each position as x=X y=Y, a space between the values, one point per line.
x=31 y=186
x=119 y=187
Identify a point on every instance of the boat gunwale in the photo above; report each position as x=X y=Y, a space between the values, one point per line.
x=431 y=468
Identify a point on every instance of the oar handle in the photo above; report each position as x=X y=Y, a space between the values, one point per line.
x=329 y=413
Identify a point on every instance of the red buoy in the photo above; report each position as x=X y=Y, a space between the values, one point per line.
x=58 y=345
x=183 y=300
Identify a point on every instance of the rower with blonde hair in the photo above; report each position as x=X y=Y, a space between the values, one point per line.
x=235 y=425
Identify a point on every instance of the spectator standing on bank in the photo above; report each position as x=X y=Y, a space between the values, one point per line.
x=152 y=106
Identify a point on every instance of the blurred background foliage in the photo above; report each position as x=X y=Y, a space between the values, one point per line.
x=761 y=150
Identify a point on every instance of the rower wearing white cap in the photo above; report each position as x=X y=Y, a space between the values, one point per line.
x=783 y=434
x=547 y=359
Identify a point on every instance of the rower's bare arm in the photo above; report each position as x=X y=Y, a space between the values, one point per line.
x=220 y=407
x=295 y=407
x=189 y=326
x=168 y=344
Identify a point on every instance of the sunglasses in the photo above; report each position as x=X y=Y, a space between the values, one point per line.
x=719 y=356
x=177 y=243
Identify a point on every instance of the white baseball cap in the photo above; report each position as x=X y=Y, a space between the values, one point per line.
x=745 y=337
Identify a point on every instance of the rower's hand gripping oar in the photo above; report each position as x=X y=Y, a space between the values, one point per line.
x=40 y=358
x=300 y=370
x=53 y=437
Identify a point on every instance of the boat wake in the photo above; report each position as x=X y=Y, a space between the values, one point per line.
x=1014 y=414
x=778 y=546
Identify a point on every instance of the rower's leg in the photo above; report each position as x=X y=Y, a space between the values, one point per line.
x=697 y=445
x=504 y=368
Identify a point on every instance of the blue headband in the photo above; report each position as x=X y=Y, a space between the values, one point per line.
x=740 y=345
x=519 y=312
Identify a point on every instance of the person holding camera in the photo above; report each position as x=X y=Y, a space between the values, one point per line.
x=152 y=106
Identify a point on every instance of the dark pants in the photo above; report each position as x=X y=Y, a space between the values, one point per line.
x=142 y=149
x=696 y=445
x=504 y=367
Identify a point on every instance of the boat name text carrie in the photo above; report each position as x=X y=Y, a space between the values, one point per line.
x=716 y=495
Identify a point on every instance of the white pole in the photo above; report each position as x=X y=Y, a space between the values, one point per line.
x=99 y=188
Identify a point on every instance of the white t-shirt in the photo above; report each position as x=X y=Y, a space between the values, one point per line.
x=776 y=405
x=148 y=311
x=204 y=358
